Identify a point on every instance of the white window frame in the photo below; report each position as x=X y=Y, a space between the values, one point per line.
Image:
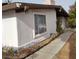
x=43 y=33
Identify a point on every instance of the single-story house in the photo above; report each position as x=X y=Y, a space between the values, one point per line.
x=24 y=23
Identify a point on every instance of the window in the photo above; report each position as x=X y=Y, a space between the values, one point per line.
x=40 y=24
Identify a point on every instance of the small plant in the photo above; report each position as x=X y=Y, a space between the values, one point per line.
x=6 y=51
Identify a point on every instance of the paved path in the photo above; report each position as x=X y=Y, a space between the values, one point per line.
x=51 y=49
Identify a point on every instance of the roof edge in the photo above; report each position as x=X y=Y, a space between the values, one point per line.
x=10 y=6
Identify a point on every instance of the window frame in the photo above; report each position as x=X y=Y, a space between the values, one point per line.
x=43 y=33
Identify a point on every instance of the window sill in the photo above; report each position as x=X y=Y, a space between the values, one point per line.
x=40 y=35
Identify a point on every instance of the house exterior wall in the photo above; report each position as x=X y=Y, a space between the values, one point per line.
x=9 y=35
x=50 y=19
x=26 y=26
x=19 y=28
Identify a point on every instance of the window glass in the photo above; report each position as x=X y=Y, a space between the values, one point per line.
x=40 y=24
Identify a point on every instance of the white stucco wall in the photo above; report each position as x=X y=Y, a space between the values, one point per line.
x=26 y=26
x=9 y=35
x=50 y=21
x=19 y=28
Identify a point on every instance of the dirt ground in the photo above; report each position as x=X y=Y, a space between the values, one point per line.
x=69 y=49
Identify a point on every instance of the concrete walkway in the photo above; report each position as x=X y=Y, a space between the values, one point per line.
x=51 y=49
